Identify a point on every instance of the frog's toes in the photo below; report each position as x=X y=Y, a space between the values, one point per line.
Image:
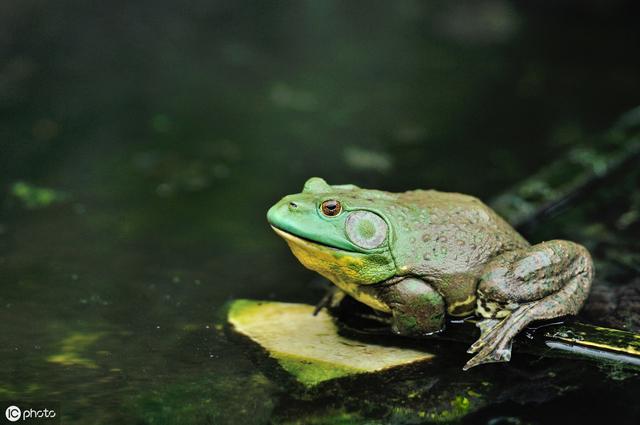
x=495 y=345
x=476 y=346
x=501 y=352
x=487 y=327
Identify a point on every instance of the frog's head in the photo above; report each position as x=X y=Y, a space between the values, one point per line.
x=338 y=231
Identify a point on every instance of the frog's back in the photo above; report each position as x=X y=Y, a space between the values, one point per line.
x=436 y=199
x=443 y=233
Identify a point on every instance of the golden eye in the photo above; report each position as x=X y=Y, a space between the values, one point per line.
x=331 y=208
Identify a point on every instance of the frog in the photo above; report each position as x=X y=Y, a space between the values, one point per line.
x=422 y=256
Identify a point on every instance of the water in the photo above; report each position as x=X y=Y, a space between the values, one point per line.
x=165 y=131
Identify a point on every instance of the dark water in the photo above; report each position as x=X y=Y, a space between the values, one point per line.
x=152 y=137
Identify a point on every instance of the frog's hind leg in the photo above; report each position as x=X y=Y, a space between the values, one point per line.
x=544 y=281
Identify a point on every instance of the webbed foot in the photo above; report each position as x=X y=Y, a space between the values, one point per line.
x=485 y=326
x=494 y=344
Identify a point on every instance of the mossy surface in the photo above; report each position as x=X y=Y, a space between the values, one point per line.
x=311 y=372
x=209 y=399
x=309 y=347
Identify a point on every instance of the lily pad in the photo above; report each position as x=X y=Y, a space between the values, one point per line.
x=309 y=347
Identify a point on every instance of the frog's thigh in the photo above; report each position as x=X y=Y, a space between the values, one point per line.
x=533 y=273
x=417 y=308
x=547 y=280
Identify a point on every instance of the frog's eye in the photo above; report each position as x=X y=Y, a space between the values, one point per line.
x=366 y=229
x=331 y=208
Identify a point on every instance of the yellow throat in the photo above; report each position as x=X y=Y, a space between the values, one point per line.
x=350 y=271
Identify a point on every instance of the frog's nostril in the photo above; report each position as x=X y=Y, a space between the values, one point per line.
x=293 y=205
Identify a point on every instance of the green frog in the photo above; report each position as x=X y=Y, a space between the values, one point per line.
x=423 y=254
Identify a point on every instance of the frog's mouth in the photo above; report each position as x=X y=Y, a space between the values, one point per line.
x=338 y=265
x=300 y=240
x=333 y=263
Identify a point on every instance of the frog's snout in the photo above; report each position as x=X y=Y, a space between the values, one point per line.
x=286 y=211
x=273 y=214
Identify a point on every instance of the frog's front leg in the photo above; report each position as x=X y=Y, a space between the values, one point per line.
x=417 y=308
x=332 y=298
x=544 y=281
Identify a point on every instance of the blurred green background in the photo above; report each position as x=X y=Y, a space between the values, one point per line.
x=141 y=144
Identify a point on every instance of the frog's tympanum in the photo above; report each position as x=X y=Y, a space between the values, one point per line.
x=423 y=254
